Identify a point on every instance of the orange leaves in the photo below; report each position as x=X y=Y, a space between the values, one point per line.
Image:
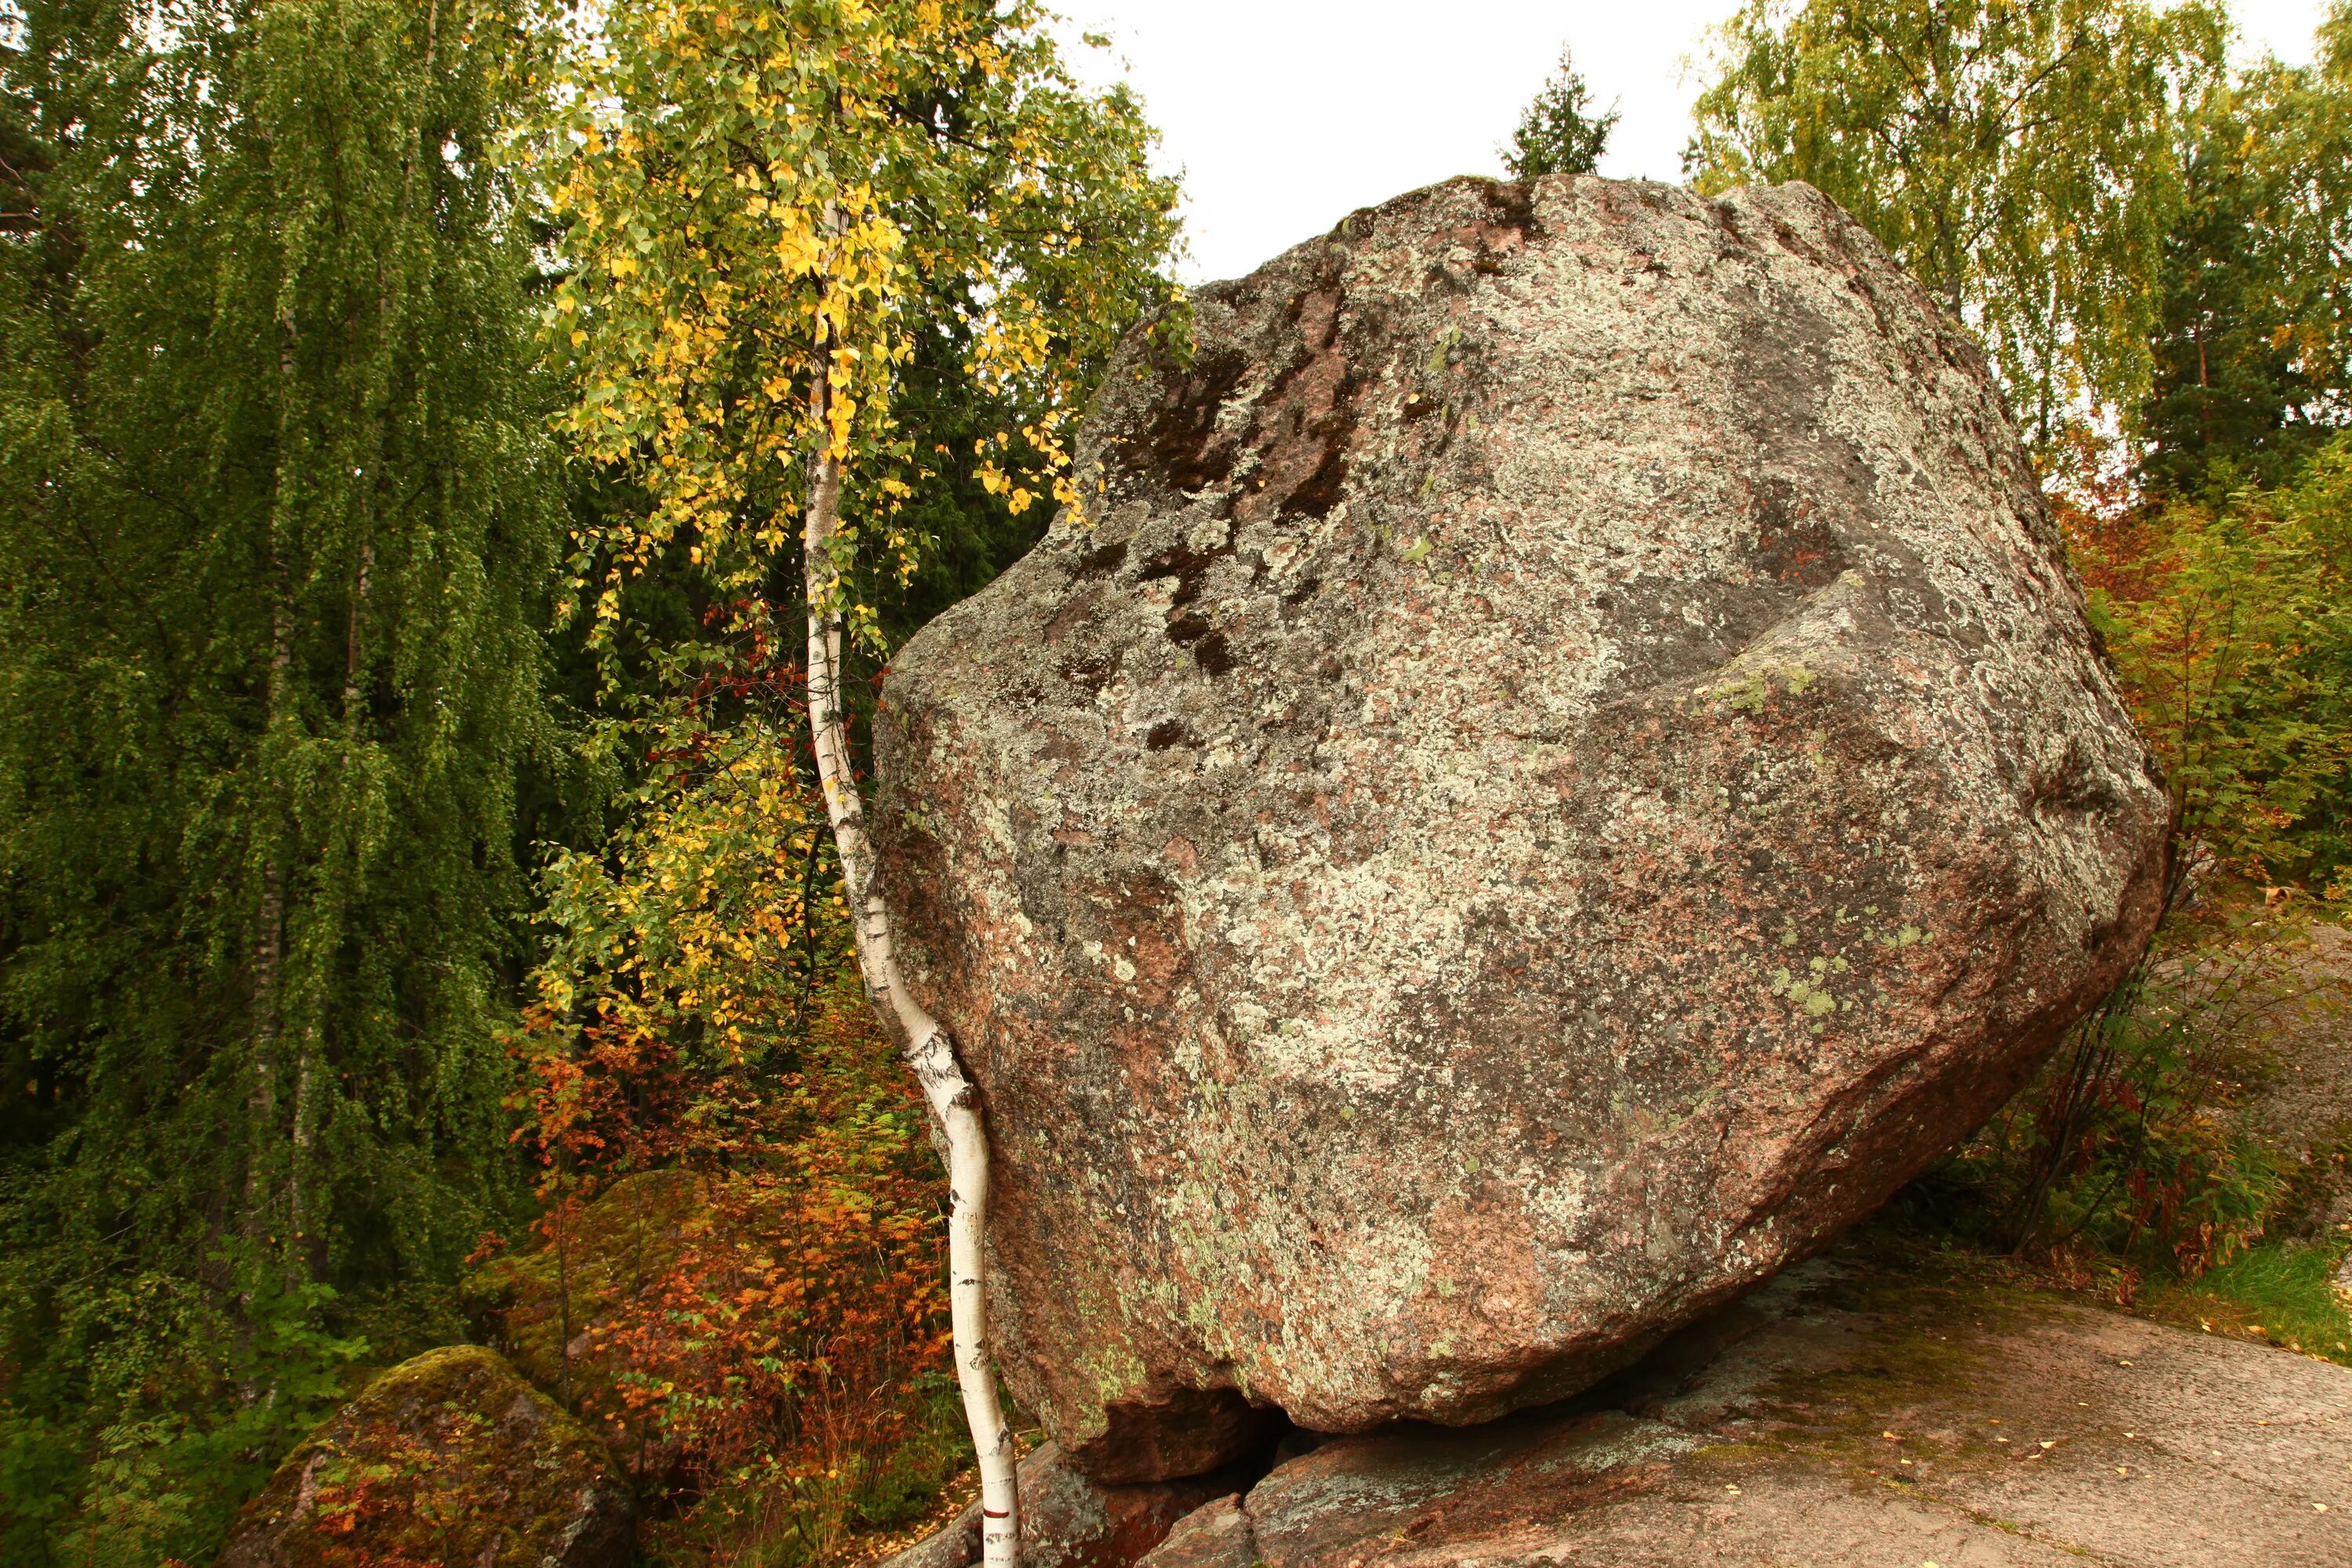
x=2228 y=626
x=813 y=1265
x=698 y=1020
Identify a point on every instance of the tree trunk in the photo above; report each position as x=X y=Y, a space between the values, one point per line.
x=269 y=956
x=306 y=1240
x=261 y=1100
x=303 y=1245
x=268 y=981
x=928 y=1050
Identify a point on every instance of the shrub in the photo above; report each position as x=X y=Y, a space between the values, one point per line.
x=743 y=1271
x=2127 y=1145
x=2232 y=628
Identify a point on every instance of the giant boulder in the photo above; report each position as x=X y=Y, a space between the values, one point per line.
x=1563 y=762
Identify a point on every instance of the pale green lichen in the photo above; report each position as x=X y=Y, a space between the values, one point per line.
x=1813 y=1000
x=1747 y=690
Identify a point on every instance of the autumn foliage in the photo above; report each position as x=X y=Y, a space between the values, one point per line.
x=759 y=1330
x=2129 y=1157
x=739 y=1271
x=2229 y=619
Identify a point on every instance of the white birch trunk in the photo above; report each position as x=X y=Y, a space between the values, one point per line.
x=928 y=1048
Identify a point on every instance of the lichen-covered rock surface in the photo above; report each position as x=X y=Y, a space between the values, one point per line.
x=1564 y=764
x=449 y=1457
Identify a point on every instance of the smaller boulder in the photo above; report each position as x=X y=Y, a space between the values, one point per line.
x=1070 y=1521
x=449 y=1457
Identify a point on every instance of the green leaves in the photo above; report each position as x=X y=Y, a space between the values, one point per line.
x=2254 y=349
x=739 y=181
x=276 y=513
x=2017 y=157
x=2233 y=629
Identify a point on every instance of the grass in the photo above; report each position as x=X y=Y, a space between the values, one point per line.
x=906 y=1484
x=2281 y=1292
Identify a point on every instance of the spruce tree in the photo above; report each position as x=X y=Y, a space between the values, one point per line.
x=2253 y=350
x=1557 y=133
x=2233 y=398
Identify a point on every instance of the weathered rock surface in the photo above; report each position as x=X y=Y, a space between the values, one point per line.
x=1954 y=1424
x=1068 y=1521
x=1565 y=766
x=2299 y=1056
x=447 y=1457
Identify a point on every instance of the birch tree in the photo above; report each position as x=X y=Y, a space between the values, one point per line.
x=278 y=514
x=766 y=207
x=2017 y=156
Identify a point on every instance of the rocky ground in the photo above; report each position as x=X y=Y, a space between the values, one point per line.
x=1885 y=1407
x=1867 y=1409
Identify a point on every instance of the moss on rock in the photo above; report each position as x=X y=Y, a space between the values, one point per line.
x=449 y=1457
x=526 y=1303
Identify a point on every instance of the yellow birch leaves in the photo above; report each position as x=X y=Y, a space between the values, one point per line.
x=745 y=187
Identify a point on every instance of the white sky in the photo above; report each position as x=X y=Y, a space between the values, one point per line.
x=1286 y=115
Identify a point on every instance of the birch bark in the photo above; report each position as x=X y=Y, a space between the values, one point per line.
x=929 y=1050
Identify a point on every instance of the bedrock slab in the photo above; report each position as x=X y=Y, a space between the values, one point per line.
x=1957 y=1426
x=1561 y=764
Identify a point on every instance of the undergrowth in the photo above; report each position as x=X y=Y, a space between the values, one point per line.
x=2133 y=1165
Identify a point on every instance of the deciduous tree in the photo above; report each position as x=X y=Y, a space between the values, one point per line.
x=2017 y=155
x=278 y=516
x=769 y=209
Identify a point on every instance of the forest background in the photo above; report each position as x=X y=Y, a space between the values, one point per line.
x=417 y=918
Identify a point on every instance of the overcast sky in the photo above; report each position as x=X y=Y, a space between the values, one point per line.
x=1285 y=115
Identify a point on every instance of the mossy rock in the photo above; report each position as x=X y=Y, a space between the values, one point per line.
x=621 y=1241
x=448 y=1458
